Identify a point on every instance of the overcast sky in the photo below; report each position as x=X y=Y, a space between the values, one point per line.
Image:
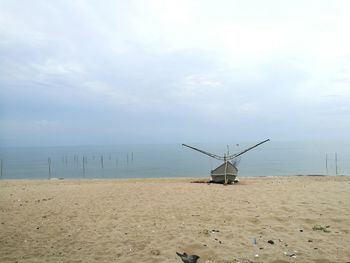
x=101 y=72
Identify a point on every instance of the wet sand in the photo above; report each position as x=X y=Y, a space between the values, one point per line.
x=267 y=219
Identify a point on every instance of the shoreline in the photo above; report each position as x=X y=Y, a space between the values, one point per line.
x=185 y=178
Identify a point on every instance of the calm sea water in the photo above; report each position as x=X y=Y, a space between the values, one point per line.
x=172 y=160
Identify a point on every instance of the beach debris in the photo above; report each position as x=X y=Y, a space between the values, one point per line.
x=218 y=240
x=321 y=228
x=208 y=232
x=200 y=182
x=188 y=258
x=155 y=252
x=292 y=255
x=271 y=242
x=254 y=241
x=205 y=232
x=301 y=230
x=43 y=200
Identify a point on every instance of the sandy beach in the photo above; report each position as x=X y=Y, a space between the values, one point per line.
x=268 y=219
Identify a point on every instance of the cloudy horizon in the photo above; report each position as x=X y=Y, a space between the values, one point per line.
x=102 y=72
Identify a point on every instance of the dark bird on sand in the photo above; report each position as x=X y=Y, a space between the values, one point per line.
x=188 y=258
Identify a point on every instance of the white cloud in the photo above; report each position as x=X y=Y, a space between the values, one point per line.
x=196 y=86
x=326 y=81
x=197 y=61
x=52 y=67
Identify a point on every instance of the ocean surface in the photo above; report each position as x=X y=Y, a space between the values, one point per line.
x=172 y=160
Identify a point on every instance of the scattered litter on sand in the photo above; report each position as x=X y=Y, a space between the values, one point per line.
x=321 y=228
x=188 y=258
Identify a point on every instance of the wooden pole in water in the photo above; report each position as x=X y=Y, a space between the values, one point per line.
x=83 y=166
x=327 y=163
x=336 y=164
x=102 y=161
x=225 y=170
x=1 y=169
x=49 y=162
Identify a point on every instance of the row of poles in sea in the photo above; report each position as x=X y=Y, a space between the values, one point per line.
x=101 y=157
x=84 y=161
x=129 y=159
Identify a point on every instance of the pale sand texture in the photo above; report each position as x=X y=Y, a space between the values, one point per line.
x=149 y=220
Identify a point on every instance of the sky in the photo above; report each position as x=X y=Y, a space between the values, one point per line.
x=109 y=72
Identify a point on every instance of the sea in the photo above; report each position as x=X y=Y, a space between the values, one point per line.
x=274 y=158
